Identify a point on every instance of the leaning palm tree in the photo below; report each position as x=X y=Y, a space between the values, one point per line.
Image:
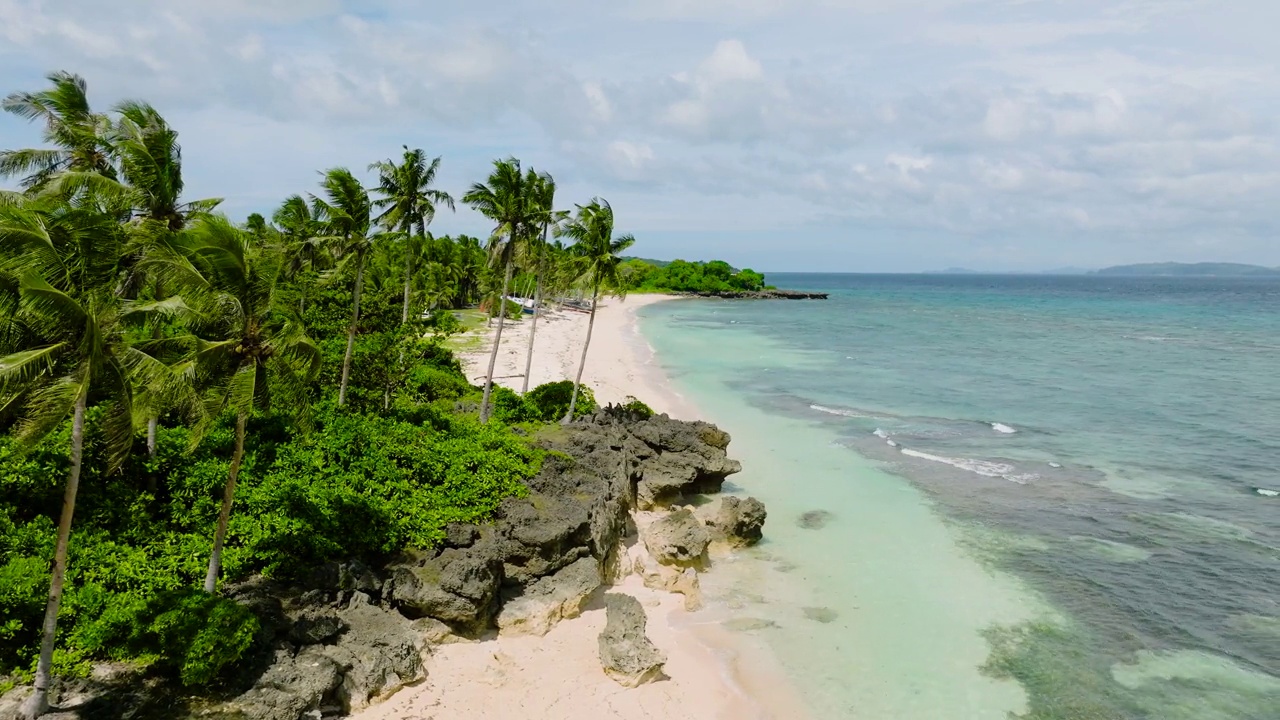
x=506 y=200
x=78 y=135
x=66 y=263
x=347 y=215
x=598 y=253
x=544 y=193
x=248 y=349
x=410 y=205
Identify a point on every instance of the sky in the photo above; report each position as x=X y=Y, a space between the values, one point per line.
x=833 y=135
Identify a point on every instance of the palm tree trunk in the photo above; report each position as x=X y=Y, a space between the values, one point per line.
x=351 y=334
x=537 y=310
x=497 y=340
x=408 y=273
x=224 y=515
x=153 y=424
x=577 y=382
x=38 y=703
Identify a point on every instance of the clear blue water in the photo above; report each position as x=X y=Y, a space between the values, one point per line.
x=1100 y=449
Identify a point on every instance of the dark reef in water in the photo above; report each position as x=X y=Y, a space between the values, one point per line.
x=760 y=295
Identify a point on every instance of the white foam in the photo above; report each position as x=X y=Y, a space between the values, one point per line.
x=1002 y=428
x=891 y=443
x=881 y=434
x=986 y=468
x=1055 y=465
x=836 y=411
x=1267 y=493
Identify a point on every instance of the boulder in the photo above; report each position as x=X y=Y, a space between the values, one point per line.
x=677 y=539
x=626 y=654
x=459 y=586
x=736 y=521
x=380 y=653
x=291 y=688
x=540 y=534
x=315 y=629
x=669 y=579
x=550 y=599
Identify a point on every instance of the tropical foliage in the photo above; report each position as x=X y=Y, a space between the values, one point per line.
x=716 y=276
x=290 y=376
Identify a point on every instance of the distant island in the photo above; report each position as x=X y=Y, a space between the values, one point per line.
x=1204 y=269
x=716 y=278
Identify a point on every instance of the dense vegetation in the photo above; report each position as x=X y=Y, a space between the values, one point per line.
x=209 y=400
x=716 y=276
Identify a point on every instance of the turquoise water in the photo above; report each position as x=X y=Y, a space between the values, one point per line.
x=1046 y=497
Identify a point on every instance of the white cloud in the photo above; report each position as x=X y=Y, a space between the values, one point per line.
x=1128 y=126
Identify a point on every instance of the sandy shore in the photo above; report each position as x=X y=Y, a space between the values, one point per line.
x=712 y=673
x=619 y=361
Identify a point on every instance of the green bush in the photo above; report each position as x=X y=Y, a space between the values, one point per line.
x=551 y=400
x=635 y=407
x=192 y=634
x=444 y=323
x=510 y=407
x=716 y=276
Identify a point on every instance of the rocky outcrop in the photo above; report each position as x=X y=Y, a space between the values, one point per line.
x=735 y=521
x=762 y=295
x=550 y=599
x=459 y=586
x=677 y=539
x=626 y=654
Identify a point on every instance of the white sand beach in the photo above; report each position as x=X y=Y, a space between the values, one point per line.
x=712 y=674
x=619 y=361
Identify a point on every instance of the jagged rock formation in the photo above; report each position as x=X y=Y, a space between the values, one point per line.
x=626 y=654
x=351 y=633
x=734 y=521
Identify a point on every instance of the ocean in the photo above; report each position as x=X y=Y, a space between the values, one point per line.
x=1002 y=496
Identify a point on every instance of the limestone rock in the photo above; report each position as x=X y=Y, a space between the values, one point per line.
x=677 y=539
x=459 y=586
x=669 y=579
x=379 y=654
x=736 y=521
x=626 y=653
x=315 y=629
x=289 y=689
x=550 y=599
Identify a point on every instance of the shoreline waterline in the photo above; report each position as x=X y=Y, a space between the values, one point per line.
x=713 y=674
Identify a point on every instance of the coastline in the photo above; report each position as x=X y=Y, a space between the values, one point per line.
x=711 y=672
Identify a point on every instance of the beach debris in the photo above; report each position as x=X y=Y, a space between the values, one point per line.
x=815 y=519
x=551 y=599
x=626 y=654
x=820 y=614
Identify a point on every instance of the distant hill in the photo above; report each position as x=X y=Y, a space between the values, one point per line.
x=1191 y=270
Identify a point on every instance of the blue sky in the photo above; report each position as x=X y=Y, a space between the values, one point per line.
x=850 y=135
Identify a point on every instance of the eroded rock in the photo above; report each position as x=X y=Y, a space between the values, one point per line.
x=677 y=539
x=735 y=521
x=626 y=654
x=550 y=599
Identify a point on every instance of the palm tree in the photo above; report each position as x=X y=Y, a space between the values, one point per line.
x=78 y=135
x=505 y=200
x=410 y=204
x=150 y=162
x=300 y=229
x=66 y=262
x=246 y=345
x=544 y=193
x=598 y=252
x=347 y=215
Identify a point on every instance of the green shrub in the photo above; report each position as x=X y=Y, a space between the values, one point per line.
x=551 y=400
x=444 y=323
x=510 y=407
x=635 y=407
x=192 y=634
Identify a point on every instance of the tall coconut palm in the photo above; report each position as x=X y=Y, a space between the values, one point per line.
x=409 y=204
x=78 y=135
x=599 y=255
x=507 y=201
x=544 y=195
x=246 y=343
x=300 y=231
x=347 y=215
x=66 y=263
x=150 y=161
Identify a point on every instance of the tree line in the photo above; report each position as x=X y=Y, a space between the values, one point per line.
x=124 y=303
